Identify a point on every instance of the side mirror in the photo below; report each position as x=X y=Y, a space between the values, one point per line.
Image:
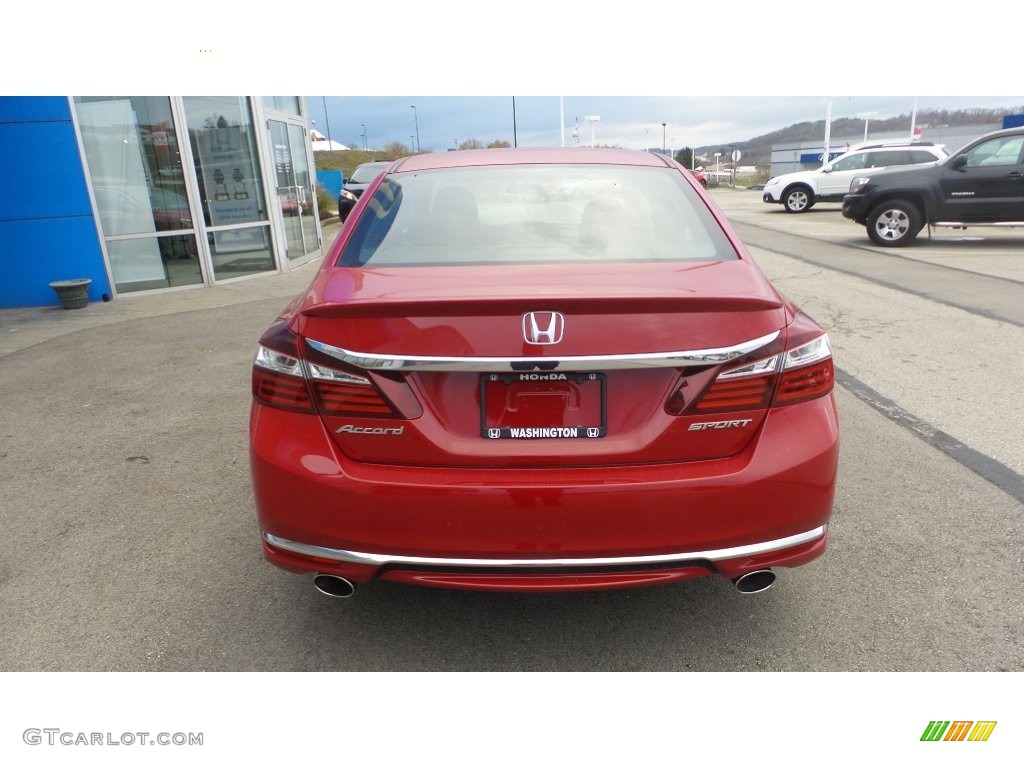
x=958 y=162
x=826 y=169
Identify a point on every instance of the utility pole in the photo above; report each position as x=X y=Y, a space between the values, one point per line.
x=592 y=119
x=415 y=117
x=828 y=130
x=561 y=117
x=515 y=139
x=328 y=119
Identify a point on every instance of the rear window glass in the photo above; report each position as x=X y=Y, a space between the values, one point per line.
x=535 y=213
x=364 y=174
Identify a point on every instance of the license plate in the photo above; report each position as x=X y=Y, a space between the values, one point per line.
x=538 y=406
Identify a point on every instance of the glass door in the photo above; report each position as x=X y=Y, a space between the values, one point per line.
x=294 y=185
x=236 y=222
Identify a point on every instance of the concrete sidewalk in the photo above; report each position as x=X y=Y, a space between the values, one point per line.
x=26 y=327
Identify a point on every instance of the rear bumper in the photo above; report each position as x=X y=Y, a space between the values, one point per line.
x=544 y=529
x=544 y=575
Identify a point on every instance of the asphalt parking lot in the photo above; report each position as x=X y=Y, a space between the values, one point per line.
x=130 y=541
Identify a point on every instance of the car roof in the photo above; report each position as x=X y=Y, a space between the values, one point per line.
x=904 y=144
x=1015 y=131
x=530 y=156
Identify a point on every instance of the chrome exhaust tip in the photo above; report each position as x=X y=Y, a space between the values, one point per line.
x=333 y=586
x=755 y=581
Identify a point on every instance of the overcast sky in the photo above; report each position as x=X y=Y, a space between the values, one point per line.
x=633 y=122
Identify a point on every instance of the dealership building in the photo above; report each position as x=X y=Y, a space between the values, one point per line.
x=143 y=194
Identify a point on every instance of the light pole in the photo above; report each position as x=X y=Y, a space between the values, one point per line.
x=663 y=137
x=364 y=135
x=515 y=132
x=591 y=119
x=866 y=116
x=328 y=119
x=416 y=118
x=828 y=132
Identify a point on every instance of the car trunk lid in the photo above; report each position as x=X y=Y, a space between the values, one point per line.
x=470 y=362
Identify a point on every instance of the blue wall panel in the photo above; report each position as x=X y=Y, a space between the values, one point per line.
x=331 y=182
x=43 y=162
x=32 y=109
x=35 y=253
x=47 y=231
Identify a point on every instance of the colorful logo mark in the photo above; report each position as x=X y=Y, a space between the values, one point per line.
x=958 y=730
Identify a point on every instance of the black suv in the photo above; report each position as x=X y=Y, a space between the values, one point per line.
x=981 y=185
x=357 y=184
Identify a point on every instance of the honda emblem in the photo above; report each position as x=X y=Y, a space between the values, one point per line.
x=543 y=328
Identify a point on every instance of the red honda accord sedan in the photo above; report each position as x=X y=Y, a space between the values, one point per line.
x=539 y=370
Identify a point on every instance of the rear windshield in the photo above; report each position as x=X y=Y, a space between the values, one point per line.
x=364 y=174
x=535 y=213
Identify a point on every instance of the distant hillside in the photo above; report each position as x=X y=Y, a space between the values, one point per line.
x=758 y=150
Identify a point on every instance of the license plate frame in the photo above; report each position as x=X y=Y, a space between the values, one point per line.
x=559 y=384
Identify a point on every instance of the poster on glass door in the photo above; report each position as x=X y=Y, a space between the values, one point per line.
x=229 y=189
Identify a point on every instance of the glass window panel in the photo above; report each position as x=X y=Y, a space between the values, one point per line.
x=1004 y=150
x=224 y=146
x=237 y=252
x=542 y=213
x=141 y=264
x=289 y=104
x=304 y=182
x=850 y=162
x=134 y=163
x=294 y=188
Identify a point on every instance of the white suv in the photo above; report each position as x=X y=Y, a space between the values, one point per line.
x=797 y=192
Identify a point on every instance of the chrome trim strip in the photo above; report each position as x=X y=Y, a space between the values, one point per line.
x=966 y=224
x=365 y=558
x=712 y=356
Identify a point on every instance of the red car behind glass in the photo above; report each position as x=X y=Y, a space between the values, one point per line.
x=541 y=369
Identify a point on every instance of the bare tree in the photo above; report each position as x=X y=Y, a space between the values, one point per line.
x=396 y=149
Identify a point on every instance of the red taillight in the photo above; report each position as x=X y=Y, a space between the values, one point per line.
x=802 y=372
x=737 y=394
x=283 y=380
x=806 y=383
x=352 y=400
x=277 y=375
x=280 y=390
